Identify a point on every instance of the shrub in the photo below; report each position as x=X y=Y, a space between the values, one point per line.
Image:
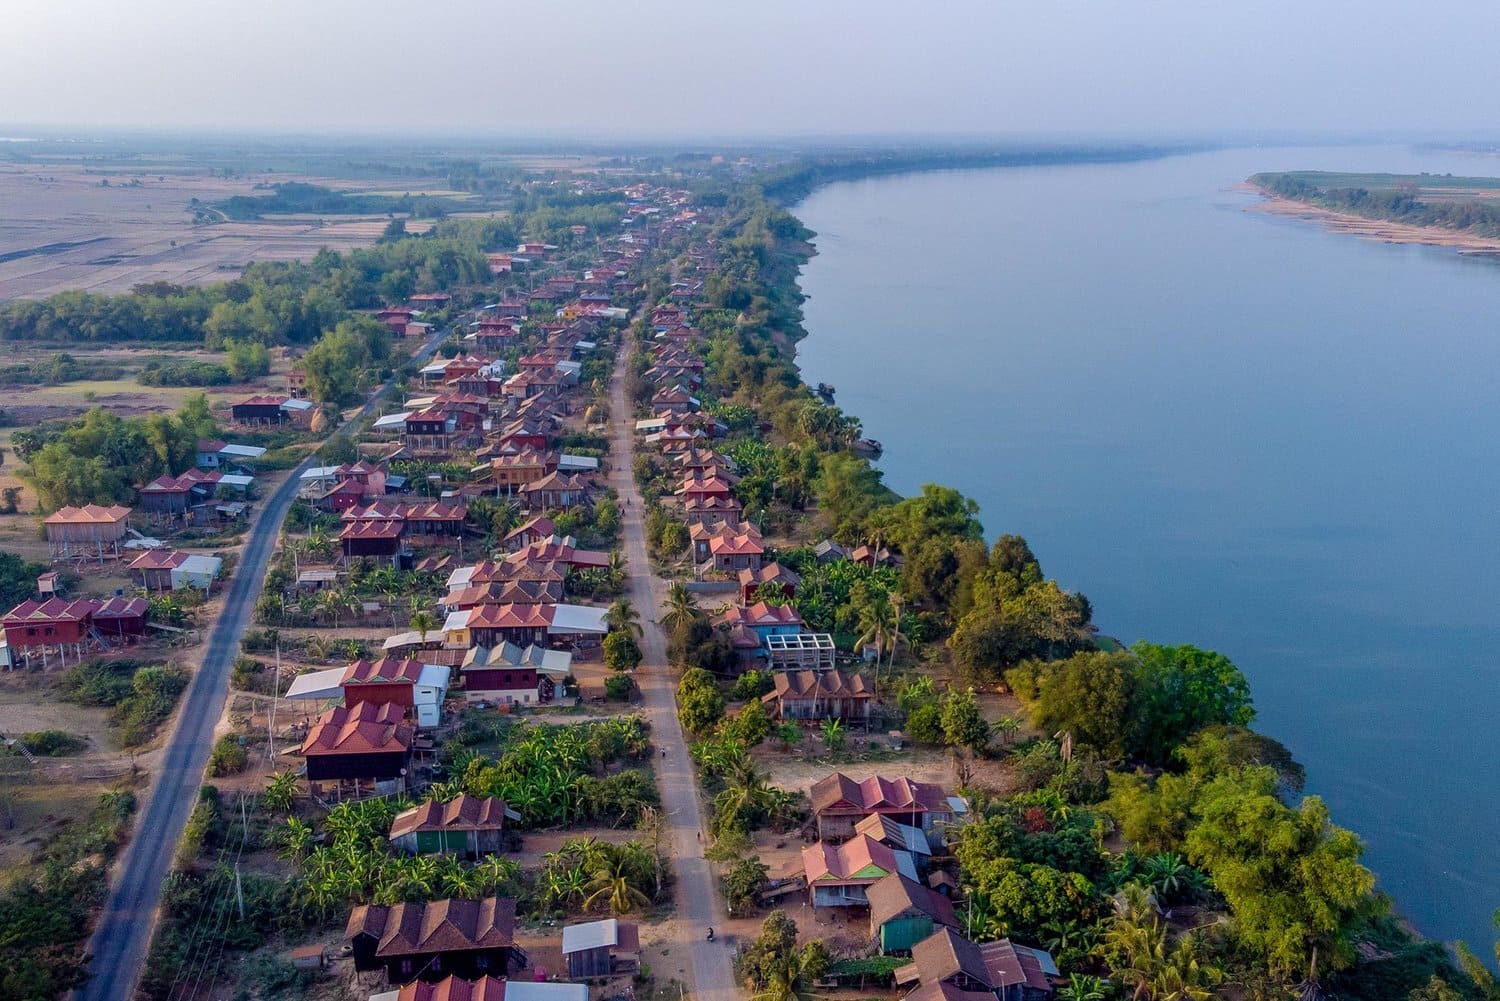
x=924 y=725
x=621 y=651
x=228 y=757
x=50 y=743
x=618 y=687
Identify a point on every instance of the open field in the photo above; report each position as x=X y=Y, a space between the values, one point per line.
x=64 y=229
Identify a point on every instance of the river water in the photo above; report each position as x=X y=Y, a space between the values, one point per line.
x=1226 y=428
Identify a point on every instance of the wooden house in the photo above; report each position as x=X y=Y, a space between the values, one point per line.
x=600 y=948
x=841 y=875
x=376 y=539
x=814 y=695
x=434 y=940
x=556 y=490
x=537 y=529
x=945 y=964
x=387 y=681
x=513 y=675
x=88 y=531
x=784 y=579
x=903 y=912
x=368 y=742
x=119 y=619
x=839 y=803
x=464 y=826
x=259 y=410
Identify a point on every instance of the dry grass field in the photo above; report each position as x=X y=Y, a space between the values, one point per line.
x=63 y=229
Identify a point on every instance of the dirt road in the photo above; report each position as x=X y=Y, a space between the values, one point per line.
x=699 y=902
x=128 y=919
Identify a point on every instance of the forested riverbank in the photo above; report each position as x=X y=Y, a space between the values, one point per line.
x=997 y=618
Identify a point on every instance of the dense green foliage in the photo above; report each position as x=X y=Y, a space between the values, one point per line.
x=141 y=697
x=17 y=579
x=546 y=773
x=102 y=458
x=43 y=919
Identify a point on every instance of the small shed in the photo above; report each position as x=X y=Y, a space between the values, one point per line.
x=594 y=948
x=308 y=957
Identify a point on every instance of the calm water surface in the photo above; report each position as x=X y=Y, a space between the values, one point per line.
x=1226 y=428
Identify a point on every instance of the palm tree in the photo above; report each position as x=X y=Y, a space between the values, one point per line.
x=1168 y=875
x=331 y=602
x=614 y=884
x=680 y=609
x=1007 y=725
x=623 y=616
x=424 y=622
x=833 y=734
x=615 y=571
x=788 y=981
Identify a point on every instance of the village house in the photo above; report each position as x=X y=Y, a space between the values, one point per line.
x=712 y=512
x=380 y=540
x=555 y=490
x=841 y=875
x=503 y=592
x=60 y=627
x=1002 y=970
x=84 y=532
x=433 y=940
x=702 y=537
x=213 y=454
x=508 y=674
x=536 y=530
x=173 y=570
x=368 y=743
x=814 y=695
x=839 y=803
x=600 y=948
x=468 y=826
x=783 y=579
x=903 y=912
x=512 y=470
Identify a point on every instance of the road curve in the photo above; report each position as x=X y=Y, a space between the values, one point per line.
x=699 y=903
x=122 y=935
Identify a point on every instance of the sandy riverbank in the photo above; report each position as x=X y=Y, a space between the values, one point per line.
x=1372 y=229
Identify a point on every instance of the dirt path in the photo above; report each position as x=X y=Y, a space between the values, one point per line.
x=699 y=904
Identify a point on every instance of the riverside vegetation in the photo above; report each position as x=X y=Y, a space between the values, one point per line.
x=1153 y=841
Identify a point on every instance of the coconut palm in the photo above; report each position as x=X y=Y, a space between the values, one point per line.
x=623 y=616
x=614 y=883
x=1169 y=876
x=615 y=571
x=424 y=622
x=679 y=609
x=790 y=979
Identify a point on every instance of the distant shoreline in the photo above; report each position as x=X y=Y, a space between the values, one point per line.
x=1371 y=229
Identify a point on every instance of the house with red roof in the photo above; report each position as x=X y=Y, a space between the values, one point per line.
x=840 y=875
x=840 y=802
x=949 y=967
x=88 y=531
x=61 y=627
x=783 y=579
x=468 y=825
x=555 y=490
x=363 y=743
x=819 y=695
x=386 y=681
x=436 y=940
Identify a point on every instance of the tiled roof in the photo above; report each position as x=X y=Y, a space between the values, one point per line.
x=386 y=670
x=453 y=989
x=466 y=813
x=365 y=729
x=896 y=895
x=848 y=862
x=761 y=614
x=512 y=616
x=158 y=559
x=52 y=610
x=89 y=514
x=820 y=685
x=438 y=926
x=876 y=794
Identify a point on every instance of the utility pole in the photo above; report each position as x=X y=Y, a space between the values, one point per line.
x=239 y=890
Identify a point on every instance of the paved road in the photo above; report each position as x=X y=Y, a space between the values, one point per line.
x=123 y=933
x=696 y=887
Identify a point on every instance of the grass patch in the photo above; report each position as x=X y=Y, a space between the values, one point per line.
x=141 y=697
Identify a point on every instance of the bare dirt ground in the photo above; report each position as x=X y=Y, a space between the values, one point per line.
x=64 y=229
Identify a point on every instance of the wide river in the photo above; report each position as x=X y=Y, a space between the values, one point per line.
x=1226 y=428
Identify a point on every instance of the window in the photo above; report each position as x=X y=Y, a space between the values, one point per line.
x=406 y=966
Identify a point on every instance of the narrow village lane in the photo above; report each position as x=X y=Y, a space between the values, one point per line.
x=696 y=887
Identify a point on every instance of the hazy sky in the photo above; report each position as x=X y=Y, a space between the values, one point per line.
x=591 y=67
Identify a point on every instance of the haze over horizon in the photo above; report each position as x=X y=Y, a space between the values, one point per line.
x=779 y=68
